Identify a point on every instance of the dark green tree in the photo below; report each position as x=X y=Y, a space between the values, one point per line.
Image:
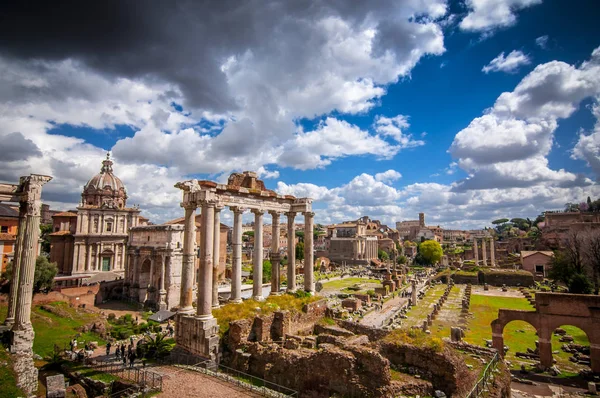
x=402 y=259
x=382 y=255
x=300 y=251
x=43 y=278
x=267 y=271
x=580 y=284
x=431 y=251
x=45 y=231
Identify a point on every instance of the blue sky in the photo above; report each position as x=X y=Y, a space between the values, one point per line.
x=379 y=109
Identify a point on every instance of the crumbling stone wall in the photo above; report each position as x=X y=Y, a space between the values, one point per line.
x=374 y=334
x=446 y=371
x=507 y=277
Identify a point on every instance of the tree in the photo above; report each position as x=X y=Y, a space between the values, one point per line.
x=300 y=251
x=592 y=256
x=45 y=231
x=267 y=271
x=382 y=255
x=560 y=268
x=43 y=278
x=249 y=233
x=500 y=221
x=402 y=259
x=300 y=236
x=580 y=284
x=431 y=251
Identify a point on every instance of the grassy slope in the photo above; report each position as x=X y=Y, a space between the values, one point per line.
x=51 y=329
x=347 y=282
x=417 y=314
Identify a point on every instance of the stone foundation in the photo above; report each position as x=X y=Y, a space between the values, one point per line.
x=197 y=336
x=25 y=372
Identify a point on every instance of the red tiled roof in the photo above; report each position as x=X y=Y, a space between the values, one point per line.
x=65 y=214
x=59 y=233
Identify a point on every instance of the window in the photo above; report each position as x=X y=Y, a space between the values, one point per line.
x=108 y=227
x=539 y=269
x=4 y=229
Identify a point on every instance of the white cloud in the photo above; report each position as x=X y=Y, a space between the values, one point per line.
x=394 y=127
x=388 y=176
x=588 y=145
x=509 y=64
x=542 y=41
x=488 y=15
x=509 y=145
x=262 y=172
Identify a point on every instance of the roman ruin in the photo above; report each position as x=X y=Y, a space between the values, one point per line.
x=28 y=193
x=197 y=333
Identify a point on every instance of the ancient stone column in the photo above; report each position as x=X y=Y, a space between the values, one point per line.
x=22 y=330
x=136 y=274
x=216 y=247
x=257 y=261
x=16 y=268
x=309 y=283
x=291 y=271
x=205 y=274
x=492 y=253
x=484 y=252
x=236 y=268
x=162 y=293
x=186 y=297
x=413 y=297
x=475 y=251
x=274 y=253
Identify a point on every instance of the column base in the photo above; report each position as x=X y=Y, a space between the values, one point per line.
x=216 y=306
x=235 y=301
x=198 y=336
x=277 y=293
x=187 y=311
x=26 y=373
x=258 y=298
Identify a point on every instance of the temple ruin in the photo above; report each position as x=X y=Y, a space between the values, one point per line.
x=28 y=193
x=198 y=334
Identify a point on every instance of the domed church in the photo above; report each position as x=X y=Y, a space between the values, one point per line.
x=94 y=239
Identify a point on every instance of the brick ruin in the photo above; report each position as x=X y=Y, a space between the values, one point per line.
x=320 y=357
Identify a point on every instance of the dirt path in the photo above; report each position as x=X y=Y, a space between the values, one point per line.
x=183 y=383
x=390 y=307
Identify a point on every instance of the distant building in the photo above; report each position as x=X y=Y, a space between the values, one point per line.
x=349 y=243
x=9 y=223
x=557 y=225
x=94 y=239
x=536 y=262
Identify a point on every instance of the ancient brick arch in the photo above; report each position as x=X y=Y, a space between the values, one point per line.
x=552 y=311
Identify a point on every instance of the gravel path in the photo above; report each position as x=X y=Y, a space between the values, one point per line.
x=181 y=383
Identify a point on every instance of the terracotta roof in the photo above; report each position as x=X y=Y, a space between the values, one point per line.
x=5 y=236
x=527 y=253
x=59 y=233
x=8 y=211
x=65 y=214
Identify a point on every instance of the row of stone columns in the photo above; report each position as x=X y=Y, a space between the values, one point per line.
x=207 y=296
x=484 y=252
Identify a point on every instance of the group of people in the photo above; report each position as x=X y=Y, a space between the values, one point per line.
x=120 y=352
x=82 y=353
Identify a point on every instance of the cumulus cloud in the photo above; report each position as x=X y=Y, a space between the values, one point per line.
x=488 y=15
x=509 y=145
x=16 y=147
x=509 y=63
x=388 y=176
x=588 y=145
x=395 y=128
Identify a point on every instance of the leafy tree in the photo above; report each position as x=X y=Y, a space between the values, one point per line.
x=560 y=268
x=300 y=251
x=382 y=255
x=402 y=259
x=500 y=221
x=249 y=233
x=45 y=231
x=521 y=223
x=43 y=278
x=300 y=235
x=156 y=346
x=431 y=251
x=267 y=271
x=580 y=284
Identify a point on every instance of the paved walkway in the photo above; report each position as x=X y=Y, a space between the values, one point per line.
x=377 y=318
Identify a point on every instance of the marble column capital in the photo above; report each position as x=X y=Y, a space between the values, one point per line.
x=274 y=214
x=308 y=214
x=189 y=205
x=258 y=212
x=208 y=203
x=218 y=208
x=291 y=214
x=237 y=209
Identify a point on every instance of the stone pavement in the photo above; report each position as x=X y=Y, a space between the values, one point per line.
x=377 y=318
x=539 y=390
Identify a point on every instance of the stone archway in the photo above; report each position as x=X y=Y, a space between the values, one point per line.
x=552 y=311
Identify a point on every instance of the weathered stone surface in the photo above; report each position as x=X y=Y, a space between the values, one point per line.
x=55 y=386
x=332 y=330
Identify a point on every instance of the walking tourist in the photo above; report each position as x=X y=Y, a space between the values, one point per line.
x=108 y=345
x=131 y=359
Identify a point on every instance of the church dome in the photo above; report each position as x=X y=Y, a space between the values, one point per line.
x=105 y=189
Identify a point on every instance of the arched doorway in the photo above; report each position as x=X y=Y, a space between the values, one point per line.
x=571 y=349
x=521 y=338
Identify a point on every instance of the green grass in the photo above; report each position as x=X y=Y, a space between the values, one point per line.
x=441 y=327
x=92 y=373
x=518 y=335
x=8 y=383
x=248 y=308
x=347 y=282
x=52 y=329
x=418 y=313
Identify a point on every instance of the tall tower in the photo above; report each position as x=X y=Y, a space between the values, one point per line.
x=421 y=219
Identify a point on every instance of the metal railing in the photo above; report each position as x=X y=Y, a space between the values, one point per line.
x=481 y=384
x=143 y=377
x=241 y=378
